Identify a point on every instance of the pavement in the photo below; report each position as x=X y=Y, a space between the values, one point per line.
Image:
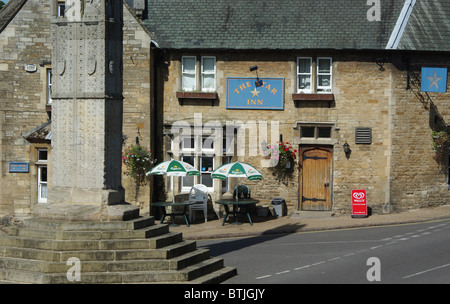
x=301 y=221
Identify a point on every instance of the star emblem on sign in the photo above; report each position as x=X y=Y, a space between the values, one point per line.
x=434 y=81
x=255 y=93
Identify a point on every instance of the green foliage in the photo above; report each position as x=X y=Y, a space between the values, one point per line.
x=282 y=157
x=138 y=161
x=441 y=142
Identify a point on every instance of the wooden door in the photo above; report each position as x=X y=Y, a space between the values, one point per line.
x=315 y=178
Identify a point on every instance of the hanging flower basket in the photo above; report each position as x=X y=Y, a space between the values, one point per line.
x=138 y=161
x=281 y=156
x=441 y=142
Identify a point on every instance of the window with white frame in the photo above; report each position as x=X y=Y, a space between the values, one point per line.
x=49 y=86
x=206 y=78
x=324 y=74
x=188 y=73
x=199 y=152
x=42 y=157
x=304 y=74
x=314 y=80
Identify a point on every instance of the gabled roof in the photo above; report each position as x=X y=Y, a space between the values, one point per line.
x=9 y=11
x=296 y=24
x=268 y=24
x=428 y=28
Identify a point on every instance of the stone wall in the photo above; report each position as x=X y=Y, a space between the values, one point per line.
x=23 y=99
x=418 y=179
x=137 y=121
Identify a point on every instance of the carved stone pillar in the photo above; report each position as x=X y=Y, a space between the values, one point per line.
x=87 y=105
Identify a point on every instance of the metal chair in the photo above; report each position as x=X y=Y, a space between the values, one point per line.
x=198 y=194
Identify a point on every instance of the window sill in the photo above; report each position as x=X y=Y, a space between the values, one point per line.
x=313 y=99
x=197 y=95
x=313 y=96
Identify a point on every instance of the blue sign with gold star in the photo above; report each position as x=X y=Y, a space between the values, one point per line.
x=434 y=80
x=255 y=93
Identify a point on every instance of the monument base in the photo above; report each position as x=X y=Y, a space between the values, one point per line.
x=85 y=212
x=83 y=196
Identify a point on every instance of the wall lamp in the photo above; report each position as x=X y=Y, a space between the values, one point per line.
x=347 y=149
x=258 y=82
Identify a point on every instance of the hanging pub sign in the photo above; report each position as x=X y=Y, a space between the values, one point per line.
x=434 y=80
x=359 y=203
x=255 y=93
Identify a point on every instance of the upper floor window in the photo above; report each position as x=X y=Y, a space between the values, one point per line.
x=61 y=9
x=314 y=76
x=192 y=80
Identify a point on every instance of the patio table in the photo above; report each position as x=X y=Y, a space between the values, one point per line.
x=243 y=205
x=163 y=205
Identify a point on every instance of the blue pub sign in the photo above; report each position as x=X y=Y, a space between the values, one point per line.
x=434 y=80
x=19 y=167
x=255 y=93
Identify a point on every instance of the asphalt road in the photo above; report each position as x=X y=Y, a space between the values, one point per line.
x=406 y=254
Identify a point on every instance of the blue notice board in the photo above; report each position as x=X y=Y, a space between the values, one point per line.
x=434 y=80
x=255 y=93
x=19 y=167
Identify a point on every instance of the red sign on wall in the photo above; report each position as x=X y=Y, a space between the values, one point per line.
x=359 y=203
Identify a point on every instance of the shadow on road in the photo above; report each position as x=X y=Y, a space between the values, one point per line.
x=224 y=246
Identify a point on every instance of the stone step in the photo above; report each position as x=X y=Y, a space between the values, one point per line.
x=51 y=224
x=132 y=251
x=31 y=232
x=215 y=277
x=167 y=252
x=193 y=273
x=109 y=244
x=106 y=265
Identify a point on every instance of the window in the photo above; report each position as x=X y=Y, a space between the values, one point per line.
x=199 y=152
x=61 y=9
x=49 y=86
x=207 y=75
x=188 y=79
x=304 y=75
x=42 y=157
x=316 y=132
x=322 y=77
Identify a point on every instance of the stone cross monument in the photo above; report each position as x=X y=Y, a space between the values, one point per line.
x=87 y=106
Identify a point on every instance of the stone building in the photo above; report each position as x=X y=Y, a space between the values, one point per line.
x=26 y=104
x=335 y=76
x=213 y=83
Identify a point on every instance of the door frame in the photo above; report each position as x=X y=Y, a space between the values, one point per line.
x=302 y=149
